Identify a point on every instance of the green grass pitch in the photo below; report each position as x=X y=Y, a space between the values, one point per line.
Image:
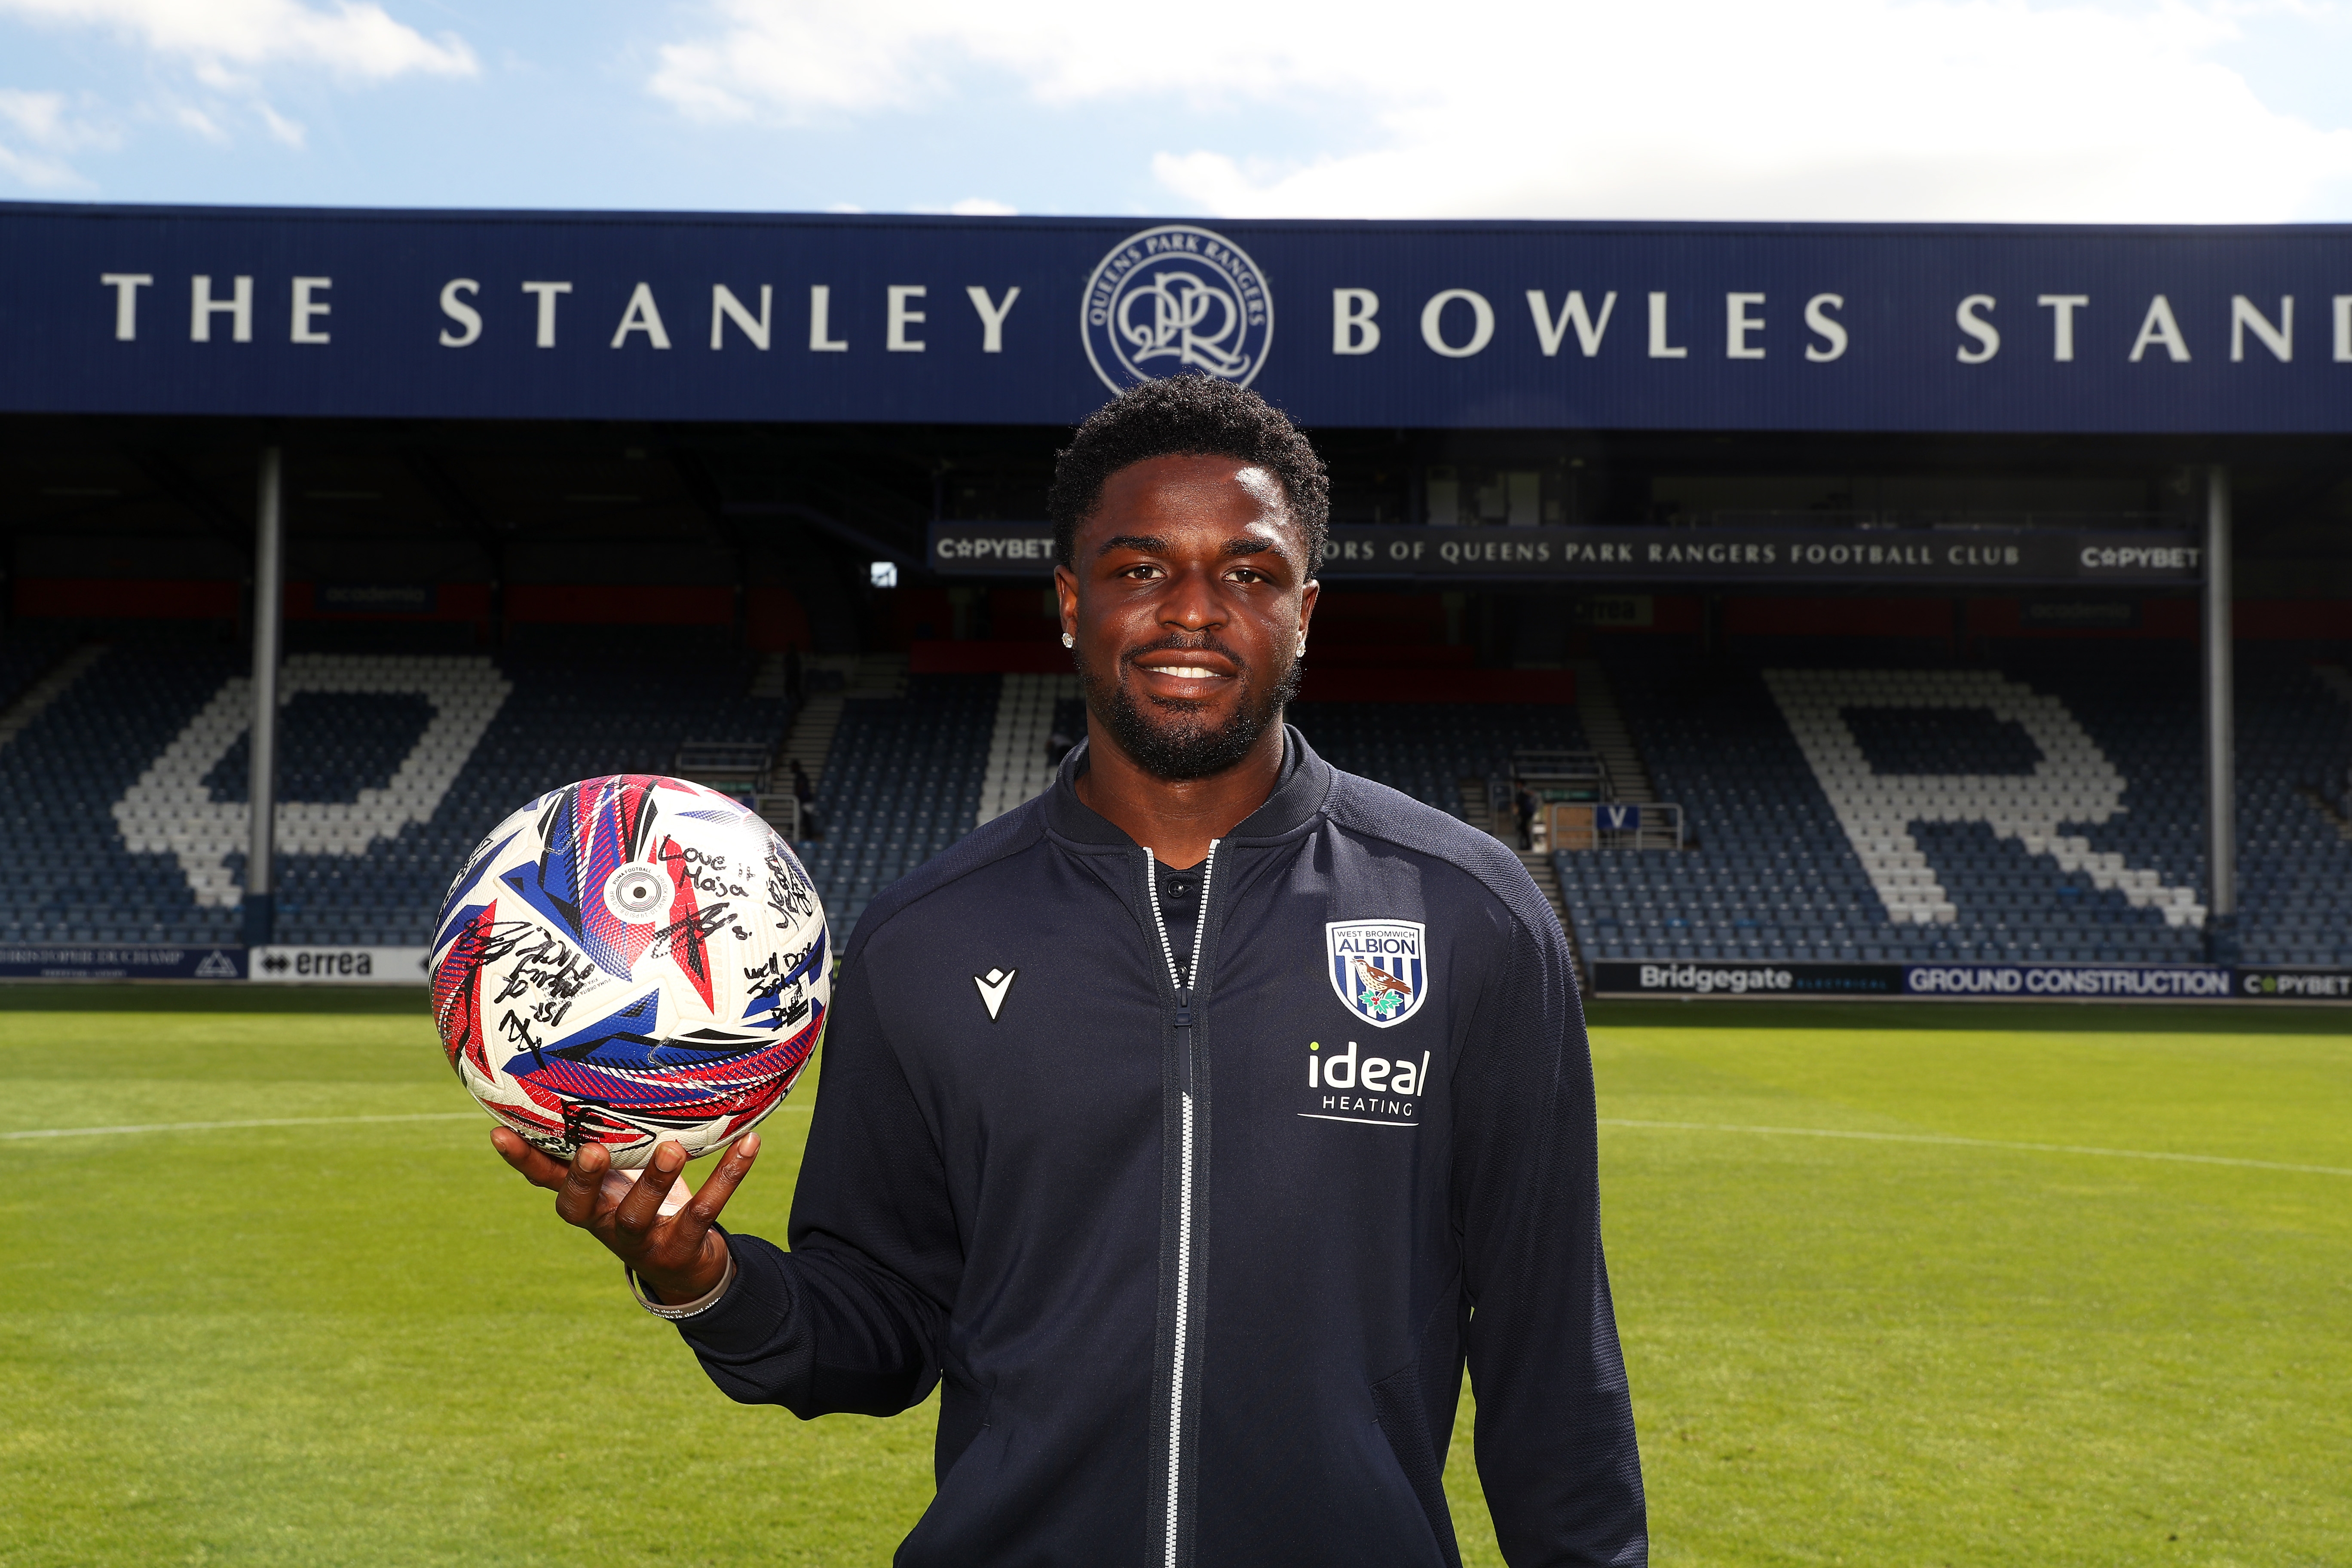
x=367 y=1342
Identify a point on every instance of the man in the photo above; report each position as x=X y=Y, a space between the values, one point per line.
x=804 y=794
x=1192 y=1123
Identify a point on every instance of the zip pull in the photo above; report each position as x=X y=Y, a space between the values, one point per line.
x=1181 y=979
x=1184 y=1039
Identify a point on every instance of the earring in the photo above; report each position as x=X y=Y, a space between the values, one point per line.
x=1302 y=644
x=1069 y=641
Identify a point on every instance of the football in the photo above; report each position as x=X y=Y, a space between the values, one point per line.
x=627 y=960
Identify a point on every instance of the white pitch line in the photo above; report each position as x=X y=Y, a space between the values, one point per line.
x=1980 y=1143
x=272 y=1121
x=258 y=1122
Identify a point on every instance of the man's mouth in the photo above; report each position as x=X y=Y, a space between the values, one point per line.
x=1187 y=664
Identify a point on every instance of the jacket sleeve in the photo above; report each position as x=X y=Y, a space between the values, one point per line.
x=849 y=1320
x=1555 y=1423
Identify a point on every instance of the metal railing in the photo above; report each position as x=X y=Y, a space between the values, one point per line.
x=746 y=770
x=1563 y=774
x=1608 y=825
x=731 y=767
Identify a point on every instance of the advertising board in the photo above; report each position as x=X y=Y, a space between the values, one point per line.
x=107 y=961
x=1974 y=556
x=287 y=966
x=1974 y=981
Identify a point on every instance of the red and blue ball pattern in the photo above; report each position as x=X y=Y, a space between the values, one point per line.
x=630 y=960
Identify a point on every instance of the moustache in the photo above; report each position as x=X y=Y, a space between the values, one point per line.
x=1207 y=642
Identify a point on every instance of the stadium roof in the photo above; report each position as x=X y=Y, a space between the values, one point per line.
x=1624 y=327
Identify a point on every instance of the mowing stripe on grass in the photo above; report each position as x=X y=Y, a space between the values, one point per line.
x=267 y=1122
x=1977 y=1144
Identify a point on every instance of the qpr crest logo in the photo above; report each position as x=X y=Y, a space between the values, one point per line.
x=1380 y=968
x=1174 y=299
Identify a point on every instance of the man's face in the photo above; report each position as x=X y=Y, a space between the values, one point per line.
x=1189 y=593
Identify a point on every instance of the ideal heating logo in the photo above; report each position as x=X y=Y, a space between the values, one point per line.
x=1382 y=1091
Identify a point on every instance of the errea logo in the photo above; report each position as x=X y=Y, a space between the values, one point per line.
x=1381 y=1090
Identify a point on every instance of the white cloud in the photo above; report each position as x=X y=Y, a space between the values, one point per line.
x=982 y=207
x=1988 y=109
x=31 y=169
x=225 y=46
x=189 y=117
x=42 y=121
x=800 y=58
x=289 y=131
x=38 y=117
x=220 y=37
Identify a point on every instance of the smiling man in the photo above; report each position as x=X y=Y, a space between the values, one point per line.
x=1193 y=1125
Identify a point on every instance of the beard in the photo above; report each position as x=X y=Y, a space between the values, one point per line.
x=1172 y=739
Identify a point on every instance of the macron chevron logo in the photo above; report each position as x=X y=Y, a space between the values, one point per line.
x=992 y=989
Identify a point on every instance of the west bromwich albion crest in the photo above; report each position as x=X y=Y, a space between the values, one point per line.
x=1380 y=968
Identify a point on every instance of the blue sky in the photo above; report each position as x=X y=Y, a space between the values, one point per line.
x=1812 y=109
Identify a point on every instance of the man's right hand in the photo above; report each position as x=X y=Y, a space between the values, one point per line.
x=671 y=1248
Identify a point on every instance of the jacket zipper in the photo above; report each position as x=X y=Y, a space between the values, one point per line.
x=1181 y=981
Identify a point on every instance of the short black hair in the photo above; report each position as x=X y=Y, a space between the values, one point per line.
x=1188 y=417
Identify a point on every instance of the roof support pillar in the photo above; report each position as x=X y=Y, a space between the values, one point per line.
x=268 y=607
x=2221 y=728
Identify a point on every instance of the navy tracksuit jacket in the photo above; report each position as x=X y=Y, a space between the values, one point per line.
x=1200 y=1266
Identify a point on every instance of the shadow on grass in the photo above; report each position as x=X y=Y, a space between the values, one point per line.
x=2040 y=1017
x=210 y=997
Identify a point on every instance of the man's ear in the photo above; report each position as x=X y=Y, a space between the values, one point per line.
x=1066 y=598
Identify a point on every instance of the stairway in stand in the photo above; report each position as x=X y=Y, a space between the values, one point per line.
x=1539 y=867
x=1477 y=813
x=1017 y=766
x=1605 y=728
x=51 y=686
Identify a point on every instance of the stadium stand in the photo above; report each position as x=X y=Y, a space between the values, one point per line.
x=2043 y=809
x=129 y=793
x=903 y=782
x=1429 y=749
x=25 y=657
x=76 y=878
x=2294 y=747
x=1845 y=803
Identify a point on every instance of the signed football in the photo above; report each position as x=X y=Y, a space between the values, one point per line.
x=627 y=960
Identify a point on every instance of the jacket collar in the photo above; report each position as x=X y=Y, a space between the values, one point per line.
x=1298 y=798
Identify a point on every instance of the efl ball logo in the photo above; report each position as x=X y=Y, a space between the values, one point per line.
x=1175 y=299
x=1380 y=968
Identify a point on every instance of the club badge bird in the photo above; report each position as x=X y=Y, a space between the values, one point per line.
x=1382 y=994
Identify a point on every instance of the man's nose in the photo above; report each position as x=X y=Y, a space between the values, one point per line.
x=1192 y=602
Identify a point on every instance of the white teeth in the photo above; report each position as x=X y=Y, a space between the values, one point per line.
x=1187 y=671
